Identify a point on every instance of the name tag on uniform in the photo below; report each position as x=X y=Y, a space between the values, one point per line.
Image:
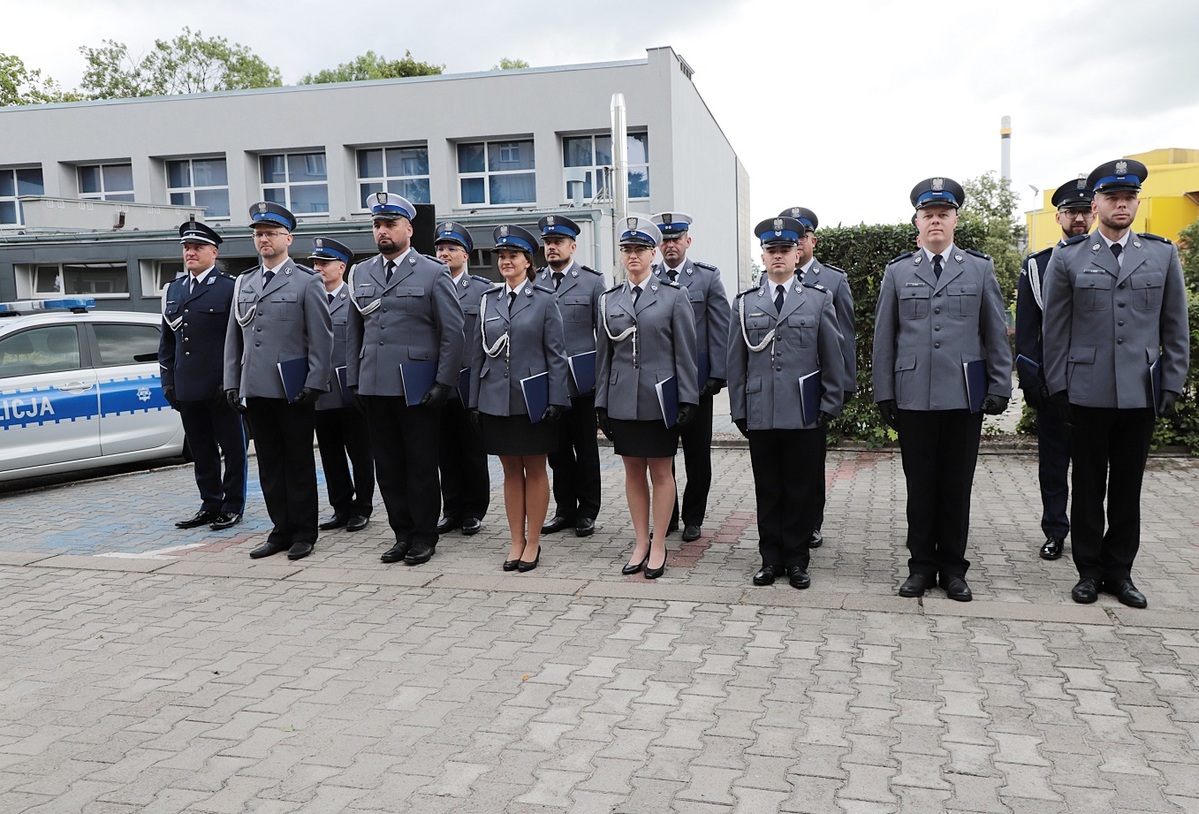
x=1094 y=271
x=914 y=285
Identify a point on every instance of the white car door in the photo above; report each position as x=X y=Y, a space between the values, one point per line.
x=134 y=416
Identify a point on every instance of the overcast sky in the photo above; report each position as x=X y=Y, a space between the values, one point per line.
x=841 y=107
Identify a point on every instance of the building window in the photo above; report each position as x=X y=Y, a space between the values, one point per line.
x=589 y=159
x=13 y=184
x=106 y=182
x=199 y=182
x=91 y=279
x=403 y=170
x=298 y=181
x=496 y=173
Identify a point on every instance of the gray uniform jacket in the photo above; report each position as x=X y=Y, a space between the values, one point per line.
x=578 y=300
x=414 y=318
x=663 y=345
x=287 y=320
x=1105 y=322
x=191 y=349
x=926 y=329
x=339 y=313
x=835 y=280
x=701 y=282
x=534 y=345
x=764 y=384
x=470 y=290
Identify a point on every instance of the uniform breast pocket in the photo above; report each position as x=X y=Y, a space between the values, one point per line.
x=757 y=326
x=339 y=331
x=619 y=320
x=963 y=299
x=913 y=302
x=411 y=298
x=282 y=306
x=1095 y=291
x=803 y=326
x=1147 y=291
x=365 y=295
x=576 y=308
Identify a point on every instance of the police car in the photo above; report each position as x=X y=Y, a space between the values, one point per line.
x=80 y=389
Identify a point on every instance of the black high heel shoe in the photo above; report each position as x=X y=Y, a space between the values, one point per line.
x=654 y=573
x=523 y=566
x=512 y=565
x=633 y=567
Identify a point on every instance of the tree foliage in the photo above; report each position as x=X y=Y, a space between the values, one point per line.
x=373 y=66
x=190 y=63
x=20 y=85
x=991 y=204
x=507 y=64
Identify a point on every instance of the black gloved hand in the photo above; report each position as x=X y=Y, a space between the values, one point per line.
x=233 y=399
x=168 y=393
x=552 y=413
x=1062 y=399
x=1034 y=396
x=824 y=418
x=994 y=405
x=1169 y=403
x=307 y=395
x=601 y=419
x=475 y=421
x=890 y=413
x=359 y=401
x=218 y=398
x=686 y=414
x=742 y=426
x=711 y=387
x=437 y=395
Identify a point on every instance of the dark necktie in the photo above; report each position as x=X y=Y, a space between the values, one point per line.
x=511 y=299
x=779 y=298
x=673 y=274
x=937 y=265
x=558 y=279
x=636 y=293
x=1116 y=249
x=267 y=276
x=191 y=285
x=391 y=267
x=330 y=299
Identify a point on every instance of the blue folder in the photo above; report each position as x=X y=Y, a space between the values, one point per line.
x=293 y=373
x=1027 y=369
x=536 y=390
x=703 y=368
x=976 y=383
x=810 y=391
x=582 y=370
x=1155 y=386
x=464 y=385
x=668 y=400
x=347 y=398
x=417 y=378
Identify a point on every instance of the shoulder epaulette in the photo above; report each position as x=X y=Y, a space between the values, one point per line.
x=666 y=281
x=591 y=270
x=904 y=256
x=543 y=288
x=304 y=268
x=815 y=285
x=482 y=279
x=1046 y=251
x=977 y=253
x=1151 y=236
x=226 y=275
x=707 y=266
x=1076 y=239
x=746 y=291
x=834 y=268
x=614 y=288
x=434 y=259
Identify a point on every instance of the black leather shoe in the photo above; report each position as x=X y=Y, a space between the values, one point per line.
x=335 y=522
x=917 y=584
x=524 y=565
x=512 y=565
x=357 y=522
x=557 y=523
x=202 y=518
x=267 y=549
x=447 y=524
x=654 y=573
x=1126 y=592
x=690 y=533
x=300 y=550
x=419 y=553
x=798 y=577
x=471 y=525
x=956 y=588
x=396 y=552
x=1085 y=592
x=816 y=540
x=633 y=567
x=226 y=520
x=585 y=527
x=765 y=575
x=1052 y=549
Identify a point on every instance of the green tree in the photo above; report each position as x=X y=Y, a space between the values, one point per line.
x=991 y=204
x=190 y=63
x=20 y=85
x=507 y=64
x=373 y=66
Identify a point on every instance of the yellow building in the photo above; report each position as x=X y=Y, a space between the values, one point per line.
x=1169 y=199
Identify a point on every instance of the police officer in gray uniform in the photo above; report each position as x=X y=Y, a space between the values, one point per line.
x=1117 y=347
x=404 y=347
x=280 y=317
x=941 y=360
x=809 y=269
x=705 y=291
x=465 y=483
x=575 y=463
x=785 y=343
x=341 y=434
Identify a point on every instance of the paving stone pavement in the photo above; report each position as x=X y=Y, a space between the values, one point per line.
x=137 y=675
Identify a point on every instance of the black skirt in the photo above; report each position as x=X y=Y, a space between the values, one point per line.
x=644 y=439
x=516 y=435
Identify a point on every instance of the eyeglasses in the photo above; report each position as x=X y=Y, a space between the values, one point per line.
x=635 y=249
x=271 y=233
x=1074 y=214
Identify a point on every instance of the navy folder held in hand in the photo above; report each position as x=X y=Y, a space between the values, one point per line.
x=668 y=400
x=536 y=390
x=417 y=377
x=293 y=373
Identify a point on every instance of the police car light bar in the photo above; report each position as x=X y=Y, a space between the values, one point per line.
x=74 y=304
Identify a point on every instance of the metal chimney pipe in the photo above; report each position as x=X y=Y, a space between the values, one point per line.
x=620 y=179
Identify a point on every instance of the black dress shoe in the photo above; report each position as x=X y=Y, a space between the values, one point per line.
x=798 y=577
x=956 y=588
x=765 y=575
x=1126 y=592
x=226 y=520
x=917 y=584
x=557 y=523
x=816 y=540
x=300 y=550
x=201 y=518
x=447 y=524
x=419 y=553
x=690 y=533
x=335 y=522
x=267 y=549
x=396 y=552
x=357 y=522
x=1052 y=549
x=585 y=527
x=524 y=565
x=511 y=565
x=471 y=525
x=654 y=573
x=1086 y=591
x=633 y=567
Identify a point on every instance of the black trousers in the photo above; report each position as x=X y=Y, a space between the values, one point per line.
x=1053 y=465
x=939 y=450
x=213 y=430
x=788 y=483
x=465 y=484
x=345 y=446
x=696 y=438
x=1109 y=448
x=404 y=441
x=286 y=466
x=576 y=462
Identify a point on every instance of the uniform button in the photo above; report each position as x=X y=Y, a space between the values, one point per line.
x=778 y=368
x=936 y=327
x=937 y=294
x=380 y=341
x=937 y=310
x=1120 y=305
x=1121 y=286
x=187 y=353
x=1119 y=341
x=936 y=344
x=185 y=339
x=1120 y=323
x=258 y=344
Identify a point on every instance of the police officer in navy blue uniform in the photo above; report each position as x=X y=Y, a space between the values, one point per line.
x=191 y=354
x=341 y=434
x=465 y=483
x=1115 y=312
x=701 y=282
x=575 y=463
x=1073 y=202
